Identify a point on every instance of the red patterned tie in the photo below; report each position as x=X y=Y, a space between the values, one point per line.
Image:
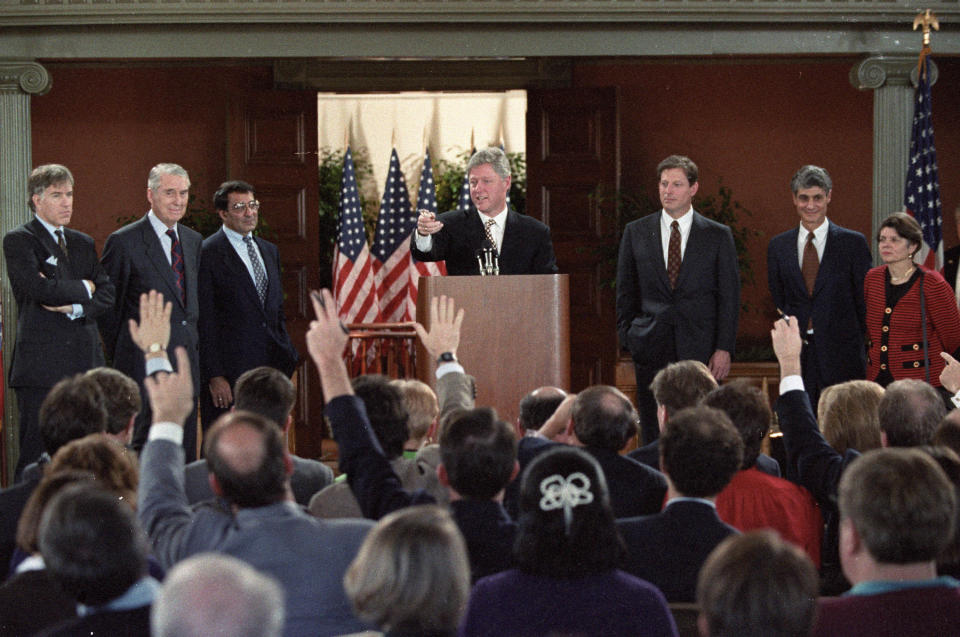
x=673 y=254
x=176 y=262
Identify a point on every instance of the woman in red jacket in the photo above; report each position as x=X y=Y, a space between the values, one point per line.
x=911 y=311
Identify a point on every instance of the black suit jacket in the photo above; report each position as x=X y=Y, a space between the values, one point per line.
x=950 y=260
x=136 y=263
x=50 y=346
x=669 y=548
x=237 y=333
x=836 y=307
x=650 y=456
x=635 y=489
x=526 y=246
x=699 y=316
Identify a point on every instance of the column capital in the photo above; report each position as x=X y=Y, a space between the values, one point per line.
x=885 y=70
x=23 y=75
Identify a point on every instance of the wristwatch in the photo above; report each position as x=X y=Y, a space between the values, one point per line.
x=156 y=348
x=447 y=357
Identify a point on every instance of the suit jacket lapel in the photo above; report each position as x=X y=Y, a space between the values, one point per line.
x=43 y=236
x=510 y=245
x=236 y=265
x=270 y=267
x=653 y=241
x=693 y=253
x=158 y=259
x=829 y=260
x=793 y=262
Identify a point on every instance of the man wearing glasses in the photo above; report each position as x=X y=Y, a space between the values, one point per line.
x=242 y=324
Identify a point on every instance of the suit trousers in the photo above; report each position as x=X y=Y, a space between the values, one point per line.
x=29 y=400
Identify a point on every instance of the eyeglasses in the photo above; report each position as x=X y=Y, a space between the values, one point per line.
x=240 y=207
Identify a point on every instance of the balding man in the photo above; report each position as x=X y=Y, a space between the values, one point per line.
x=250 y=471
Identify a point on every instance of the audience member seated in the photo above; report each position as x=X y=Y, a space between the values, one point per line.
x=411 y=576
x=477 y=450
x=422 y=412
x=701 y=452
x=536 y=407
x=94 y=550
x=849 y=415
x=250 y=470
x=30 y=600
x=948 y=431
x=948 y=562
x=388 y=417
x=269 y=393
x=756 y=500
x=121 y=398
x=215 y=594
x=602 y=421
x=757 y=585
x=567 y=553
x=908 y=411
x=677 y=386
x=897 y=514
x=73 y=408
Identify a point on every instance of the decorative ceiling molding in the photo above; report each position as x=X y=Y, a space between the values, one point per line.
x=123 y=12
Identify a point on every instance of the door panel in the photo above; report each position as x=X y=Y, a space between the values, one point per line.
x=273 y=145
x=572 y=150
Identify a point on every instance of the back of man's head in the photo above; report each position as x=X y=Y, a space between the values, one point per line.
x=948 y=431
x=121 y=396
x=267 y=392
x=682 y=384
x=478 y=452
x=603 y=417
x=246 y=455
x=748 y=410
x=537 y=406
x=92 y=544
x=757 y=584
x=216 y=594
x=910 y=411
x=700 y=451
x=421 y=405
x=901 y=503
x=73 y=408
x=385 y=410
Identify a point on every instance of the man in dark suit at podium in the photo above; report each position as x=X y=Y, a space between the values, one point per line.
x=522 y=243
x=242 y=324
x=678 y=288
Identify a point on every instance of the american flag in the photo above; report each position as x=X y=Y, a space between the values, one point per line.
x=391 y=247
x=921 y=197
x=466 y=203
x=427 y=200
x=354 y=286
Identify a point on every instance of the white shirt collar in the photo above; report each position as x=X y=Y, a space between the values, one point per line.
x=685 y=220
x=233 y=235
x=818 y=234
x=52 y=229
x=500 y=219
x=158 y=226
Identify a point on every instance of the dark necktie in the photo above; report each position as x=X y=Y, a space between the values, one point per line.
x=673 y=254
x=259 y=276
x=486 y=229
x=61 y=241
x=811 y=264
x=176 y=262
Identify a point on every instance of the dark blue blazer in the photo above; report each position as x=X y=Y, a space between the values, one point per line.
x=668 y=549
x=49 y=346
x=526 y=246
x=950 y=260
x=237 y=333
x=837 y=306
x=699 y=316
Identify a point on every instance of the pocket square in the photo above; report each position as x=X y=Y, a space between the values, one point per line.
x=52 y=260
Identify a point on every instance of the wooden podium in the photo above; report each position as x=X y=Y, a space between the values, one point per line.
x=515 y=335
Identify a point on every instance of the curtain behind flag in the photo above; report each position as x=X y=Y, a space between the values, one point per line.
x=354 y=286
x=426 y=200
x=921 y=197
x=391 y=247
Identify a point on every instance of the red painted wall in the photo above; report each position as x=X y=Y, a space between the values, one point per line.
x=110 y=125
x=752 y=125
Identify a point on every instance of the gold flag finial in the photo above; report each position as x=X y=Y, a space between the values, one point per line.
x=927 y=19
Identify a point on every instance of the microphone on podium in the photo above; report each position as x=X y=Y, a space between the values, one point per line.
x=488 y=259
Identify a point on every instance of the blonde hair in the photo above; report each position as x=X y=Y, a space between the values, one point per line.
x=411 y=573
x=849 y=415
x=421 y=404
x=114 y=465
